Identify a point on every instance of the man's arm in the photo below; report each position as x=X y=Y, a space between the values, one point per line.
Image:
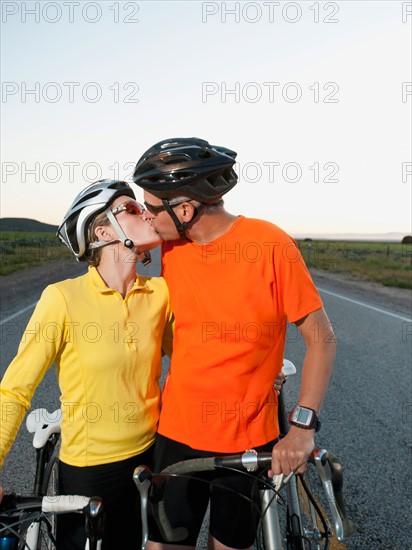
x=297 y=445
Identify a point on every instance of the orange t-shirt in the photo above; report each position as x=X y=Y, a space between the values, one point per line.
x=231 y=299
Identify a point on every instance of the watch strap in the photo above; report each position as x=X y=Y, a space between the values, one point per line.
x=314 y=423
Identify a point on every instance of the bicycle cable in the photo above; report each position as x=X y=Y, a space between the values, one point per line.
x=325 y=534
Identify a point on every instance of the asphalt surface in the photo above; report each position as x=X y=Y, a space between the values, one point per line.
x=366 y=418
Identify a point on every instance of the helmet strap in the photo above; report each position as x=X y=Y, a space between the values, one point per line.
x=182 y=226
x=144 y=257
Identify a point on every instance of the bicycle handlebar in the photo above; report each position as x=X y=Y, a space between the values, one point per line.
x=47 y=504
x=328 y=468
x=92 y=508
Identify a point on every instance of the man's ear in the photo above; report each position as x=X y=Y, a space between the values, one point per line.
x=104 y=233
x=188 y=211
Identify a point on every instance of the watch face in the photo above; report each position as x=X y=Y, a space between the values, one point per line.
x=305 y=418
x=302 y=416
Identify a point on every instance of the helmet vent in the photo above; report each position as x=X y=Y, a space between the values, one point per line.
x=217 y=181
x=149 y=166
x=204 y=154
x=183 y=175
x=173 y=159
x=88 y=197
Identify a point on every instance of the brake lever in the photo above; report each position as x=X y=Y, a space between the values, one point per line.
x=330 y=471
x=94 y=514
x=142 y=477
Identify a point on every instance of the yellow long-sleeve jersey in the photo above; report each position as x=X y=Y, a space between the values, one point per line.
x=107 y=350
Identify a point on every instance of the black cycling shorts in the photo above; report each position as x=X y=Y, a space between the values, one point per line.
x=233 y=519
x=121 y=502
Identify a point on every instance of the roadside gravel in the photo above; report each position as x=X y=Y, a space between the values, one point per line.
x=398 y=299
x=20 y=289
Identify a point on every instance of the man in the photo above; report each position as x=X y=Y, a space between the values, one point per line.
x=234 y=283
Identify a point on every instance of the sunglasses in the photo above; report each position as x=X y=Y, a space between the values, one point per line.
x=130 y=207
x=153 y=209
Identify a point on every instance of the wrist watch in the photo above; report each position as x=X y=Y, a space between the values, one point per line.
x=304 y=418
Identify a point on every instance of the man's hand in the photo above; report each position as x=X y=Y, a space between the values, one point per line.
x=292 y=451
x=1 y=492
x=280 y=380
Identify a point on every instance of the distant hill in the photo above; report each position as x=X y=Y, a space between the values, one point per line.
x=25 y=224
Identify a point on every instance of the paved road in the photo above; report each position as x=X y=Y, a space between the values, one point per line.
x=366 y=419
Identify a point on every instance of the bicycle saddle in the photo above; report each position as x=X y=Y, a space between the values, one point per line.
x=43 y=424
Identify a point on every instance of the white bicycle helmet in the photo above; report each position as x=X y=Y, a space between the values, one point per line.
x=96 y=198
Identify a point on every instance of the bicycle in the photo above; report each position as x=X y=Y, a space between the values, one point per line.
x=29 y=522
x=305 y=525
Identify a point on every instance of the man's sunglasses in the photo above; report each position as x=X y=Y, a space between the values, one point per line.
x=130 y=207
x=157 y=209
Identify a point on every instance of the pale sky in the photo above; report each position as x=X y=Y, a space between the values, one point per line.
x=314 y=96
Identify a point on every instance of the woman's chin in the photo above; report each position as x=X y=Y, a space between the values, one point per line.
x=150 y=245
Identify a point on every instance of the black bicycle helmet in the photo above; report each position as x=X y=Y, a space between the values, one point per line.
x=91 y=201
x=189 y=167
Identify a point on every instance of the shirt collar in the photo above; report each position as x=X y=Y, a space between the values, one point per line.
x=101 y=286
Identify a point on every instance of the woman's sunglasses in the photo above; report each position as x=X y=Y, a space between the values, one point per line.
x=130 y=207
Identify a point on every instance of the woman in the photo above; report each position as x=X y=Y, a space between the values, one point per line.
x=106 y=332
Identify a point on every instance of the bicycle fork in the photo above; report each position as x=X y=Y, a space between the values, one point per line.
x=32 y=536
x=270 y=515
x=272 y=531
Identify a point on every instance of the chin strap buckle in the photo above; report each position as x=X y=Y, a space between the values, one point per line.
x=145 y=258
